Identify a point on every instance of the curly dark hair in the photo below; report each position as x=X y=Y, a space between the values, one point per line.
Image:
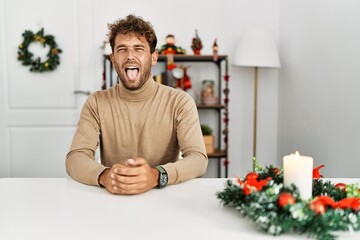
x=133 y=24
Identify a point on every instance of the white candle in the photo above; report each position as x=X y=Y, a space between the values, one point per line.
x=298 y=170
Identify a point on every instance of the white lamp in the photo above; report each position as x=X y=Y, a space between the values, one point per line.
x=256 y=48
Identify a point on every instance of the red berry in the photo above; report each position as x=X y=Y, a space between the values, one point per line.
x=341 y=186
x=285 y=199
x=276 y=170
x=318 y=206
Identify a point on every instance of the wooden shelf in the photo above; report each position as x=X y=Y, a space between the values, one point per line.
x=217 y=154
x=193 y=58
x=186 y=58
x=215 y=106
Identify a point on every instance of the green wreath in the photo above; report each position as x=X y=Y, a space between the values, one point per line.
x=27 y=58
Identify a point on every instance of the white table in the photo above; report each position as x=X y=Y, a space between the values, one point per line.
x=61 y=208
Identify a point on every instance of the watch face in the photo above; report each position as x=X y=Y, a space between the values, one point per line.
x=163 y=180
x=163 y=177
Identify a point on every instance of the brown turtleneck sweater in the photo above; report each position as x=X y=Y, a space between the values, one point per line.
x=154 y=122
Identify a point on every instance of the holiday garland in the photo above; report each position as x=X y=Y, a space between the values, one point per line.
x=26 y=57
x=262 y=197
x=226 y=118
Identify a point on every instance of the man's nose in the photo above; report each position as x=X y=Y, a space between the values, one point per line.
x=130 y=55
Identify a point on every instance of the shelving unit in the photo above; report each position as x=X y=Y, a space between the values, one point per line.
x=221 y=151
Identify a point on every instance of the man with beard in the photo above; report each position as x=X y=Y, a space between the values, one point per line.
x=140 y=125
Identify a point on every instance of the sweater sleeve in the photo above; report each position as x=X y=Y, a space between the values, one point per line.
x=80 y=161
x=194 y=162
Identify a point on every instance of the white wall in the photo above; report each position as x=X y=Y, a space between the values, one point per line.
x=319 y=94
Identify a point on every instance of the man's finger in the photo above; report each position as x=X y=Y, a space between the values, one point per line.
x=126 y=171
x=135 y=162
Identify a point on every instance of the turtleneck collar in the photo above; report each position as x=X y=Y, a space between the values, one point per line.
x=141 y=94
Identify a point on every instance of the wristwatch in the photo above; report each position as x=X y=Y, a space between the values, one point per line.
x=163 y=177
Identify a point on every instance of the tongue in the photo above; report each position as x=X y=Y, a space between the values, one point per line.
x=132 y=74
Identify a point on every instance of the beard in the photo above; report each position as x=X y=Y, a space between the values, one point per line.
x=143 y=75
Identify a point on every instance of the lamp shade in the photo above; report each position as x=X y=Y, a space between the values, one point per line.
x=257 y=48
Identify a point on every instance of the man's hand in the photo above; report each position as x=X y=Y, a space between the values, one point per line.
x=135 y=177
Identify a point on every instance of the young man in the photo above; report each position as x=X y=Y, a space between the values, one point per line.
x=141 y=126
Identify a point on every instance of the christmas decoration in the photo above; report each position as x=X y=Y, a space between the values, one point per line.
x=196 y=44
x=226 y=118
x=208 y=93
x=170 y=47
x=184 y=82
x=215 y=49
x=26 y=57
x=262 y=197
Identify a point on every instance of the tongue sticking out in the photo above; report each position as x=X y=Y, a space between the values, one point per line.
x=132 y=73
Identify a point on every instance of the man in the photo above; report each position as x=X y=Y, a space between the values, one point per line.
x=141 y=126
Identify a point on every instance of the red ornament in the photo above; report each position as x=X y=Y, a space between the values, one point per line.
x=184 y=82
x=285 y=199
x=171 y=66
x=252 y=184
x=252 y=175
x=257 y=184
x=197 y=52
x=226 y=162
x=226 y=91
x=346 y=203
x=326 y=200
x=239 y=181
x=187 y=84
x=318 y=206
x=341 y=186
x=225 y=131
x=355 y=205
x=316 y=173
x=275 y=170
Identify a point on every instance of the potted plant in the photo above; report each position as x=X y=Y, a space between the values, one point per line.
x=208 y=138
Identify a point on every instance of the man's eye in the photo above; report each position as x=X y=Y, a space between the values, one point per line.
x=140 y=49
x=121 y=49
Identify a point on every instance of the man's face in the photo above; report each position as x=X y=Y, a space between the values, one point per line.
x=132 y=60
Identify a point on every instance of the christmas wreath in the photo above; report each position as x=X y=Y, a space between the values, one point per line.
x=262 y=197
x=27 y=58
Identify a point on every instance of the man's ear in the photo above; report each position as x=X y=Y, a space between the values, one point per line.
x=112 y=58
x=154 y=57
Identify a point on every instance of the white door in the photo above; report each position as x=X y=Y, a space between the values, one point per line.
x=39 y=111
